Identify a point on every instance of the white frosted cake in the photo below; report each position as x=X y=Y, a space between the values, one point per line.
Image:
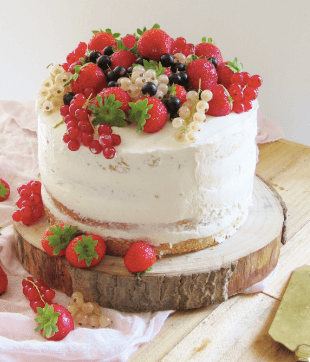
x=177 y=193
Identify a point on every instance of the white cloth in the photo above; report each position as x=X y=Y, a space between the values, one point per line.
x=18 y=340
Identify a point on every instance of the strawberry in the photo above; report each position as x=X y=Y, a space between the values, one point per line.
x=4 y=190
x=181 y=93
x=154 y=43
x=150 y=113
x=139 y=257
x=86 y=251
x=87 y=76
x=102 y=39
x=129 y=41
x=204 y=70
x=226 y=70
x=123 y=58
x=120 y=95
x=221 y=102
x=57 y=237
x=207 y=50
x=3 y=281
x=54 y=322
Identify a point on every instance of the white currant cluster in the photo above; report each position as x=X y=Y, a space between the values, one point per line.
x=52 y=89
x=139 y=77
x=191 y=114
x=87 y=313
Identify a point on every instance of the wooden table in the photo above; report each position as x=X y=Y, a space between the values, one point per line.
x=237 y=330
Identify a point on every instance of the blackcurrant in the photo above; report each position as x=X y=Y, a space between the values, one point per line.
x=104 y=62
x=149 y=88
x=166 y=60
x=108 y=50
x=119 y=71
x=67 y=98
x=173 y=104
x=213 y=61
x=177 y=66
x=184 y=78
x=174 y=78
x=129 y=70
x=174 y=115
x=140 y=60
x=93 y=55
x=112 y=83
x=110 y=76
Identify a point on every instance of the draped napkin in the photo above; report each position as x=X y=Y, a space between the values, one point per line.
x=18 y=340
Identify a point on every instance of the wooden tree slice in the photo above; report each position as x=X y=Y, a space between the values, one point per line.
x=177 y=282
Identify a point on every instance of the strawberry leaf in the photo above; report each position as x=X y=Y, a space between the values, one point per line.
x=115 y=35
x=144 y=272
x=61 y=237
x=140 y=32
x=120 y=46
x=3 y=190
x=235 y=66
x=109 y=112
x=47 y=320
x=85 y=249
x=156 y=26
x=134 y=49
x=210 y=40
x=204 y=40
x=138 y=113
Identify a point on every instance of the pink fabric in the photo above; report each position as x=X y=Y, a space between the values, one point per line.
x=18 y=340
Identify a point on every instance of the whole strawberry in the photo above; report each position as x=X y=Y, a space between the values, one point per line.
x=221 y=102
x=139 y=257
x=123 y=58
x=154 y=43
x=54 y=322
x=57 y=237
x=120 y=95
x=100 y=40
x=4 y=190
x=226 y=70
x=3 y=281
x=86 y=251
x=150 y=113
x=207 y=50
x=129 y=41
x=87 y=76
x=203 y=71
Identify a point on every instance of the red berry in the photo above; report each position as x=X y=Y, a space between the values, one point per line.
x=27 y=281
x=89 y=92
x=25 y=211
x=35 y=187
x=71 y=58
x=33 y=294
x=69 y=118
x=238 y=107
x=37 y=211
x=39 y=283
x=74 y=133
x=139 y=257
x=35 y=304
x=48 y=295
x=236 y=78
x=35 y=199
x=26 y=203
x=79 y=100
x=73 y=145
x=17 y=216
x=28 y=220
x=247 y=105
x=72 y=108
x=65 y=66
x=109 y=152
x=82 y=46
x=105 y=140
x=235 y=90
x=72 y=123
x=19 y=202
x=189 y=49
x=95 y=147
x=25 y=290
x=25 y=193
x=104 y=129
x=85 y=127
x=116 y=139
x=81 y=114
x=246 y=78
x=179 y=43
x=66 y=138
x=255 y=81
x=64 y=110
x=250 y=94
x=86 y=139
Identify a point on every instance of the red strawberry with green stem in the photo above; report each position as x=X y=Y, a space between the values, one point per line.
x=139 y=257
x=57 y=237
x=201 y=70
x=4 y=190
x=102 y=39
x=55 y=322
x=226 y=70
x=129 y=40
x=86 y=251
x=208 y=49
x=150 y=114
x=221 y=102
x=3 y=281
x=123 y=57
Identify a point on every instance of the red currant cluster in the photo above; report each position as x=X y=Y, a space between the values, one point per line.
x=243 y=90
x=80 y=130
x=179 y=45
x=37 y=292
x=30 y=203
x=75 y=55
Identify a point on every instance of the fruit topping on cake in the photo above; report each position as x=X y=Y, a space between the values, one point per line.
x=108 y=81
x=4 y=190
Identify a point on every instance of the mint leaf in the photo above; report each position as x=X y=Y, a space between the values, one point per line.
x=138 y=113
x=108 y=112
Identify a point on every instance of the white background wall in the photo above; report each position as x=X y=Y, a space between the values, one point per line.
x=270 y=37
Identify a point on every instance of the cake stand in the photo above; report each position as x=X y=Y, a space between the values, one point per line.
x=178 y=282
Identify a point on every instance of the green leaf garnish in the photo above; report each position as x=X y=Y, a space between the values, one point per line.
x=210 y=40
x=109 y=112
x=85 y=249
x=138 y=113
x=235 y=66
x=47 y=320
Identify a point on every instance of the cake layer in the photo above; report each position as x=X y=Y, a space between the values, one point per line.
x=162 y=190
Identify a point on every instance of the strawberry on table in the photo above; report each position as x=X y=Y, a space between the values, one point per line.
x=4 y=190
x=57 y=237
x=150 y=113
x=139 y=257
x=221 y=102
x=86 y=251
x=201 y=70
x=3 y=281
x=55 y=322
